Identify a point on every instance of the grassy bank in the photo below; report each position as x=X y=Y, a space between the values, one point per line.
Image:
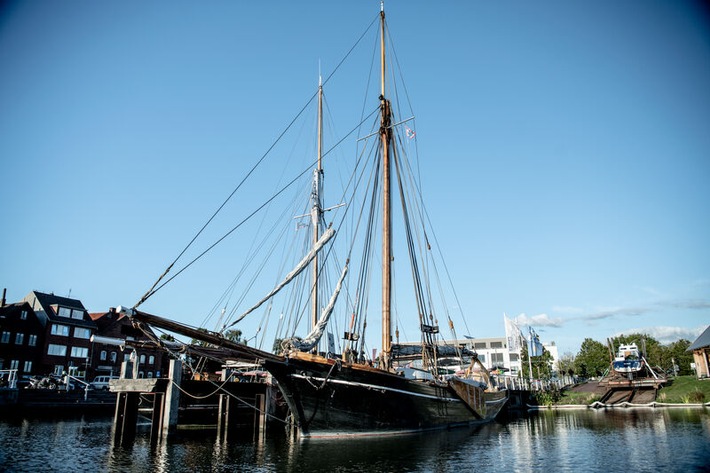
x=685 y=390
x=577 y=398
x=681 y=390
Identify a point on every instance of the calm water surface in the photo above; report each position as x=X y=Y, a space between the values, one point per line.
x=675 y=439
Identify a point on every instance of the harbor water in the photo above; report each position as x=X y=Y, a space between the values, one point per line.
x=619 y=440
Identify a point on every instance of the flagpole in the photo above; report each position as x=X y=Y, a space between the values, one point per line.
x=530 y=356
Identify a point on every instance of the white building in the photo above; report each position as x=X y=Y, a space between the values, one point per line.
x=494 y=353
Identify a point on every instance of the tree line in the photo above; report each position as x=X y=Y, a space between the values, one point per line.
x=594 y=358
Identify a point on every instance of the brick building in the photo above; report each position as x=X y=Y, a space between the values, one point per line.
x=21 y=337
x=107 y=358
x=45 y=333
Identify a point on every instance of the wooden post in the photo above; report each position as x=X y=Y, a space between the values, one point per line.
x=156 y=421
x=259 y=417
x=126 y=414
x=172 y=399
x=126 y=418
x=225 y=417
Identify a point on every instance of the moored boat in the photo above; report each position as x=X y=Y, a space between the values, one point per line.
x=346 y=392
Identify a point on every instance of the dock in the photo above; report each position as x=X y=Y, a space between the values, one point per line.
x=170 y=404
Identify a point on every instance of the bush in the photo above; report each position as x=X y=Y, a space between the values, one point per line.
x=694 y=397
x=547 y=398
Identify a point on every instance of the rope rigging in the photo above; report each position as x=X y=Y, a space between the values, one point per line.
x=156 y=287
x=365 y=178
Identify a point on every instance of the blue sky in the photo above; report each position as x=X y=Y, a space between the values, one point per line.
x=565 y=147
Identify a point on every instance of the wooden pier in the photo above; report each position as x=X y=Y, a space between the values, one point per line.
x=173 y=404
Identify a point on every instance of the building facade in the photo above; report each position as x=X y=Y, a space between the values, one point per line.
x=67 y=334
x=45 y=333
x=496 y=354
x=21 y=338
x=107 y=357
x=701 y=354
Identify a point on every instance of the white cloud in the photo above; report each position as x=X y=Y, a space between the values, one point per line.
x=568 y=310
x=606 y=313
x=540 y=320
x=665 y=334
x=696 y=304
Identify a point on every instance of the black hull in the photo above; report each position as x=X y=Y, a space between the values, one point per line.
x=332 y=400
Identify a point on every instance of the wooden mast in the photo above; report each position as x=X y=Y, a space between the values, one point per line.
x=385 y=136
x=316 y=208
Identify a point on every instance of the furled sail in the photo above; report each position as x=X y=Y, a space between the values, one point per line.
x=303 y=264
x=312 y=339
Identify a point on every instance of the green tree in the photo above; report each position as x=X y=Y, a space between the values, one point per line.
x=678 y=355
x=541 y=365
x=592 y=359
x=234 y=335
x=565 y=365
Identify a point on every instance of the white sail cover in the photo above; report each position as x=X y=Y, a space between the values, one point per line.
x=312 y=338
x=303 y=264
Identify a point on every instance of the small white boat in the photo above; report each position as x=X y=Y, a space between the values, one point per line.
x=628 y=360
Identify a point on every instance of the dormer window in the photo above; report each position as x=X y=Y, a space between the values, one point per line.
x=68 y=312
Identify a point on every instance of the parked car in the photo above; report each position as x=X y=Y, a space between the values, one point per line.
x=101 y=382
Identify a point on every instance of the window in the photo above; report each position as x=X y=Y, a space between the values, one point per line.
x=77 y=314
x=514 y=357
x=64 y=312
x=28 y=367
x=62 y=330
x=23 y=315
x=5 y=337
x=58 y=370
x=19 y=338
x=142 y=360
x=479 y=345
x=103 y=355
x=496 y=344
x=32 y=340
x=113 y=357
x=57 y=350
x=482 y=358
x=82 y=333
x=79 y=352
x=497 y=359
x=14 y=364
x=126 y=357
x=150 y=374
x=151 y=361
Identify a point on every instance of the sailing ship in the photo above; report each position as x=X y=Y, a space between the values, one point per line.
x=350 y=393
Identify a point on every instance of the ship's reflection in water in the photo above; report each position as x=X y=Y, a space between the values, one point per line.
x=622 y=440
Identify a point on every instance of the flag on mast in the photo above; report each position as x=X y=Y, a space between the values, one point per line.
x=513 y=335
x=534 y=345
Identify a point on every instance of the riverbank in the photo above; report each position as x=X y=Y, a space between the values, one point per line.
x=679 y=390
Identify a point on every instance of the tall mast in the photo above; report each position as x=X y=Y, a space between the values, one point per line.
x=316 y=207
x=385 y=136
